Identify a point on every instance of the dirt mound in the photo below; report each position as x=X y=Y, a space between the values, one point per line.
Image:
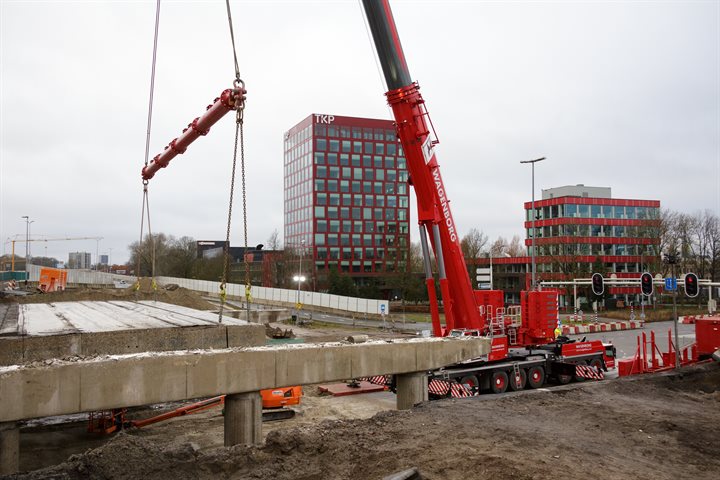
x=653 y=427
x=174 y=295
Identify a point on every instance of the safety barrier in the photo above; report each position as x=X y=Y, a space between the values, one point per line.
x=277 y=296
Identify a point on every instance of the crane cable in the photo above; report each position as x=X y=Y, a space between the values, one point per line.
x=239 y=121
x=146 y=200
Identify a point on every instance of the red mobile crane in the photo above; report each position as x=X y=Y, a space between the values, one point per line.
x=524 y=346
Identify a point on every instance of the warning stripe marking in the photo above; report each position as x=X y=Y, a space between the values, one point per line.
x=586 y=371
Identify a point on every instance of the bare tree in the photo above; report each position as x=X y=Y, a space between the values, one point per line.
x=499 y=247
x=273 y=241
x=515 y=249
x=472 y=246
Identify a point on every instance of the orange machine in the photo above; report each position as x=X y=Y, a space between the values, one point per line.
x=52 y=279
x=274 y=401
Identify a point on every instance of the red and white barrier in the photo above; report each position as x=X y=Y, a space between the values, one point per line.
x=601 y=327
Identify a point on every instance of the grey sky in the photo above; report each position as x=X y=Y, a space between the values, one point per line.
x=618 y=94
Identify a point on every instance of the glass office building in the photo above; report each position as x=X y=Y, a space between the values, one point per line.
x=346 y=200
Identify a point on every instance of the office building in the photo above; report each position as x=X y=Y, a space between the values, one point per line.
x=346 y=201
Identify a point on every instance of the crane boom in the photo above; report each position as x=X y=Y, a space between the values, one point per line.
x=434 y=214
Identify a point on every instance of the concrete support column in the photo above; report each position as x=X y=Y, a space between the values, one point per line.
x=412 y=388
x=9 y=448
x=243 y=419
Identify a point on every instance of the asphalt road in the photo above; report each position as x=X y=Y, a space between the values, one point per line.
x=625 y=341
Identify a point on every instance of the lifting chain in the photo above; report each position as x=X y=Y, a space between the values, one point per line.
x=239 y=138
x=146 y=200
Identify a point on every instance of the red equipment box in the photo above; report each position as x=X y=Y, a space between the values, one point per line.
x=539 y=316
x=489 y=299
x=707 y=335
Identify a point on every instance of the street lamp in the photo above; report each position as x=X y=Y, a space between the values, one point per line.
x=533 y=162
x=299 y=278
x=27 y=244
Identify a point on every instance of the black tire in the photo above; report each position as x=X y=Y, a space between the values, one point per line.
x=512 y=383
x=597 y=364
x=498 y=382
x=564 y=379
x=536 y=377
x=472 y=382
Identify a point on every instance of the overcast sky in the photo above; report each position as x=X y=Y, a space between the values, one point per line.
x=615 y=94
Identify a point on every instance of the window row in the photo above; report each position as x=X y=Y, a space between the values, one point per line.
x=365 y=133
x=357 y=173
x=357 y=160
x=356 y=226
x=591 y=249
x=632 y=231
x=359 y=200
x=621 y=267
x=355 y=253
x=301 y=136
x=358 y=240
x=356 y=186
x=358 y=213
x=571 y=210
x=302 y=150
x=347 y=146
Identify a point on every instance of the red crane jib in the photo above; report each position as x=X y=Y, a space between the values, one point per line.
x=230 y=99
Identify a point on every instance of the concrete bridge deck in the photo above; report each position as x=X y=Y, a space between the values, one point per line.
x=65 y=387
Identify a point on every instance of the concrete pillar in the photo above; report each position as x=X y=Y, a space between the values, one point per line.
x=243 y=419
x=9 y=448
x=412 y=388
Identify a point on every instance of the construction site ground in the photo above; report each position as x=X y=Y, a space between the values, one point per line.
x=664 y=426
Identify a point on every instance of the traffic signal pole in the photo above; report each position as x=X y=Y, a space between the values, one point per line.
x=675 y=320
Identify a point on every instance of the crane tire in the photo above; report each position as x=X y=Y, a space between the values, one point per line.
x=535 y=376
x=499 y=382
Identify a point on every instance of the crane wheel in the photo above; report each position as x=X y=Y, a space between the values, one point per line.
x=471 y=383
x=536 y=377
x=564 y=379
x=499 y=382
x=513 y=383
x=597 y=364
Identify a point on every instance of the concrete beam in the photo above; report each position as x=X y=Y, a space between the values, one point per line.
x=9 y=448
x=146 y=378
x=243 y=419
x=412 y=388
x=27 y=349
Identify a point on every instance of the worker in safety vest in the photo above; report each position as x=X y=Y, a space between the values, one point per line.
x=557 y=332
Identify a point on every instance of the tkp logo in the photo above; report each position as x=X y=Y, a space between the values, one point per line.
x=324 y=118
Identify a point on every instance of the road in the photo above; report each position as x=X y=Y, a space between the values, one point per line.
x=625 y=341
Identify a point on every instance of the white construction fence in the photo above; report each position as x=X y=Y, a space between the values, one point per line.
x=271 y=295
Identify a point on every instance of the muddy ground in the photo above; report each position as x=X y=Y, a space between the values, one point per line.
x=653 y=427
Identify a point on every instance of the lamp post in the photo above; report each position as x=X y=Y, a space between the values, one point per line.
x=532 y=239
x=299 y=278
x=27 y=244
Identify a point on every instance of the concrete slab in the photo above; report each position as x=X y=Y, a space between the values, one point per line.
x=130 y=380
x=82 y=317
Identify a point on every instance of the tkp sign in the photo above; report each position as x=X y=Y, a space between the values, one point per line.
x=324 y=118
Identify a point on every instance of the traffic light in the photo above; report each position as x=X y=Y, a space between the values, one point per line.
x=646 y=284
x=691 y=285
x=598 y=286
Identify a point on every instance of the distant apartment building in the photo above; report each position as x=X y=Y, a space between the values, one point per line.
x=346 y=204
x=79 y=260
x=580 y=229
